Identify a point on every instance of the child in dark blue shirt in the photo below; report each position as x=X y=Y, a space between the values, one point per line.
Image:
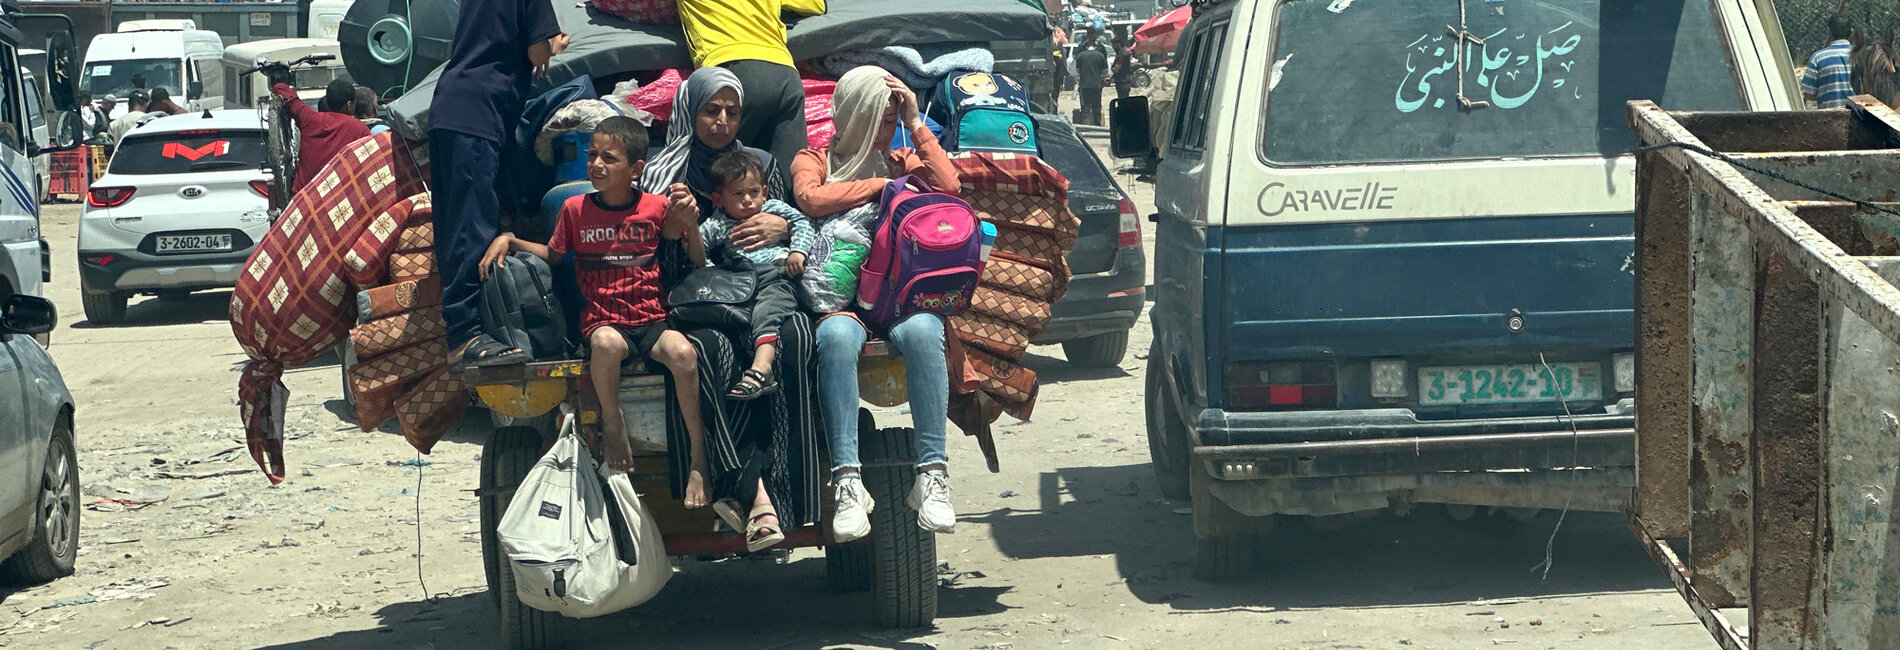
x=499 y=47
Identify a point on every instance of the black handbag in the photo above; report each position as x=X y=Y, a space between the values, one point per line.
x=715 y=296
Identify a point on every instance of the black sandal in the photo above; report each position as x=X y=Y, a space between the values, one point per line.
x=484 y=351
x=745 y=392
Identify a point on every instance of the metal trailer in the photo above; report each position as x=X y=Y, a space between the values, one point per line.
x=1768 y=400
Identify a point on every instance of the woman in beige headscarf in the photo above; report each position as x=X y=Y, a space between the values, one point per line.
x=867 y=108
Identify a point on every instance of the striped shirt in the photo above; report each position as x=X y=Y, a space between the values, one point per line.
x=613 y=258
x=1829 y=77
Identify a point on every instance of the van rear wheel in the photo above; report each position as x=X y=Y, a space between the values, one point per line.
x=1167 y=439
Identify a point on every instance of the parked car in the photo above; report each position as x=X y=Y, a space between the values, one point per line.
x=1109 y=268
x=179 y=208
x=39 y=513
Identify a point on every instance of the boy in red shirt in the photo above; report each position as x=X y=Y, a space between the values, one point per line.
x=614 y=234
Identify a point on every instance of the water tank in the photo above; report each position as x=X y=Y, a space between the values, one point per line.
x=390 y=45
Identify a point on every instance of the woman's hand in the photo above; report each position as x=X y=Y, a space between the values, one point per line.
x=760 y=231
x=493 y=258
x=906 y=103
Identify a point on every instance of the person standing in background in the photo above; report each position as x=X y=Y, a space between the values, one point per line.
x=1091 y=71
x=1123 y=73
x=747 y=37
x=321 y=135
x=135 y=106
x=1829 y=78
x=499 y=48
x=366 y=106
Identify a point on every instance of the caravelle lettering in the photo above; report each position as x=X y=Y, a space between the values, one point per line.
x=1276 y=199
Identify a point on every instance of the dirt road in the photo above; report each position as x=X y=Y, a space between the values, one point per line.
x=1069 y=546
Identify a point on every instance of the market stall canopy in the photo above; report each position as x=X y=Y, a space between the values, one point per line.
x=602 y=45
x=1160 y=34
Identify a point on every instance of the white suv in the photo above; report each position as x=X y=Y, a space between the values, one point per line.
x=179 y=208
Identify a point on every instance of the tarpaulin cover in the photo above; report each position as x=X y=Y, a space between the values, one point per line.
x=602 y=45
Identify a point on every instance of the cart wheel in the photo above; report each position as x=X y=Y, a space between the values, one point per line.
x=848 y=566
x=903 y=556
x=346 y=357
x=506 y=459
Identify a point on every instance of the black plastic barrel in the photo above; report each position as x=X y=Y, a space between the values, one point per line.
x=390 y=45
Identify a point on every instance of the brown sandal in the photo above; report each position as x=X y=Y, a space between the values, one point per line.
x=759 y=537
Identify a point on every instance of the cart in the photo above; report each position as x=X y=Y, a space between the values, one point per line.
x=897 y=563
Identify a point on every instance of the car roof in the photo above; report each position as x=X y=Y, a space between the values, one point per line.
x=235 y=118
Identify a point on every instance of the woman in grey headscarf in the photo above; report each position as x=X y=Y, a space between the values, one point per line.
x=763 y=454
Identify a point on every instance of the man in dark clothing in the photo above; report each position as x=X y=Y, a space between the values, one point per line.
x=324 y=134
x=1124 y=72
x=1091 y=70
x=499 y=47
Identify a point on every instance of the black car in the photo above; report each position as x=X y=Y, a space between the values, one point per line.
x=1108 y=266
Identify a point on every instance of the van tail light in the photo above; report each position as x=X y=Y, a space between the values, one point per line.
x=262 y=188
x=1281 y=386
x=1131 y=226
x=108 y=197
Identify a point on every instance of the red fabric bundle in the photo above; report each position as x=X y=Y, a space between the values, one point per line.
x=292 y=301
x=818 y=124
x=657 y=97
x=643 y=12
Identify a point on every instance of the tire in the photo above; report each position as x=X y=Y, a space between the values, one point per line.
x=506 y=459
x=55 y=545
x=346 y=357
x=1225 y=541
x=104 y=307
x=903 y=556
x=848 y=566
x=1167 y=442
x=1099 y=351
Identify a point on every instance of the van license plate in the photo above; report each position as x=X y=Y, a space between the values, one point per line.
x=1509 y=384
x=168 y=244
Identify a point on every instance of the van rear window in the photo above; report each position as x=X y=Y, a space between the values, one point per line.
x=185 y=152
x=1378 y=80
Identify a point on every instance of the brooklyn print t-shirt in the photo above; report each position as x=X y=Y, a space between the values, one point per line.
x=613 y=255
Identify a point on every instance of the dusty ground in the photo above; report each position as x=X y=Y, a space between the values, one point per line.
x=1070 y=546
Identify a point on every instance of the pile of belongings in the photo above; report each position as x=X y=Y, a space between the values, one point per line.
x=1028 y=271
x=294 y=299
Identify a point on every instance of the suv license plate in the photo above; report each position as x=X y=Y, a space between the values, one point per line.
x=168 y=244
x=1509 y=384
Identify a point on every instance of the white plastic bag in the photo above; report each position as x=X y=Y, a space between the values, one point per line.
x=560 y=543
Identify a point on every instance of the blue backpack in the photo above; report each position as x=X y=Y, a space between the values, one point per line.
x=988 y=112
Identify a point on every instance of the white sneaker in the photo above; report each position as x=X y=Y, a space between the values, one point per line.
x=853 y=518
x=931 y=497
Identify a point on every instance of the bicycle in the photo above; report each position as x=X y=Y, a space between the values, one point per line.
x=280 y=131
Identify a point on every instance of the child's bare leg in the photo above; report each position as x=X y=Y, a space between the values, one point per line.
x=682 y=360
x=607 y=348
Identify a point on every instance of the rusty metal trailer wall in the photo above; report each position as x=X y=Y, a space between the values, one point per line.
x=1768 y=370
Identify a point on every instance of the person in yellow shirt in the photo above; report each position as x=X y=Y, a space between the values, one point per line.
x=747 y=37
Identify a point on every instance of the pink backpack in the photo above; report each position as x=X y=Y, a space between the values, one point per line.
x=926 y=255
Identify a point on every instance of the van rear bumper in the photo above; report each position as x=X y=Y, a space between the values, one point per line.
x=1346 y=461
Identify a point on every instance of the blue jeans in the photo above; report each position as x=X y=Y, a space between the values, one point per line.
x=919 y=338
x=467 y=218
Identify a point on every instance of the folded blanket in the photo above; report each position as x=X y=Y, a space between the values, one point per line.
x=910 y=66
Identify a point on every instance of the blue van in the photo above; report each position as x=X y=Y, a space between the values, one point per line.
x=1394 y=261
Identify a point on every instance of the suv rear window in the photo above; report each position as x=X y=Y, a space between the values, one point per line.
x=1379 y=81
x=183 y=152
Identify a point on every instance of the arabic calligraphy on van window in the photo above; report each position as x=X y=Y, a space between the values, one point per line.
x=1512 y=68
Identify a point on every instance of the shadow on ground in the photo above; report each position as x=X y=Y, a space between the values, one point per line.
x=738 y=603
x=1420 y=559
x=147 y=311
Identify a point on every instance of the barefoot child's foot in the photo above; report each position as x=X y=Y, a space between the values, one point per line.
x=696 y=488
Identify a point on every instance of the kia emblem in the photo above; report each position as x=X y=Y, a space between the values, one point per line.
x=192 y=192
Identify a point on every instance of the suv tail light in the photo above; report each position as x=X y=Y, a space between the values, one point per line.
x=108 y=197
x=1281 y=386
x=261 y=187
x=1131 y=226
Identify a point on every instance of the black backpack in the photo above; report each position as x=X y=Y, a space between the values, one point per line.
x=519 y=308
